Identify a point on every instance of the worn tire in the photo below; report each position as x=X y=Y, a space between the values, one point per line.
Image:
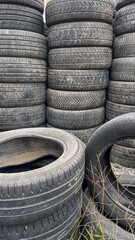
x=52 y=196
x=129 y=143
x=124 y=46
x=123 y=156
x=20 y=18
x=108 y=193
x=122 y=92
x=84 y=135
x=16 y=70
x=60 y=11
x=22 y=94
x=75 y=100
x=80 y=58
x=122 y=3
x=128 y=182
x=80 y=34
x=75 y=120
x=123 y=69
x=16 y=43
x=95 y=222
x=78 y=80
x=36 y=4
x=125 y=20
x=21 y=117
x=114 y=109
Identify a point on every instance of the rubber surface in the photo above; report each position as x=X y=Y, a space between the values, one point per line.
x=21 y=117
x=114 y=109
x=16 y=70
x=80 y=58
x=108 y=192
x=75 y=120
x=122 y=92
x=51 y=194
x=80 y=34
x=84 y=135
x=20 y=18
x=75 y=100
x=16 y=43
x=125 y=20
x=94 y=222
x=60 y=11
x=123 y=155
x=22 y=94
x=124 y=46
x=78 y=80
x=122 y=3
x=37 y=4
x=123 y=69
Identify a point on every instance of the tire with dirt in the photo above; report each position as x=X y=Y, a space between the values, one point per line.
x=36 y=4
x=124 y=46
x=51 y=195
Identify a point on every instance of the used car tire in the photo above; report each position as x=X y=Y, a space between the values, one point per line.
x=80 y=34
x=78 y=80
x=124 y=46
x=122 y=3
x=51 y=194
x=115 y=200
x=80 y=58
x=75 y=120
x=75 y=100
x=60 y=11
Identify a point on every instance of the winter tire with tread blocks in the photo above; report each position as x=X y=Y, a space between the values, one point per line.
x=75 y=120
x=51 y=194
x=21 y=117
x=75 y=100
x=80 y=58
x=61 y=11
x=78 y=80
x=124 y=46
x=80 y=34
x=20 y=18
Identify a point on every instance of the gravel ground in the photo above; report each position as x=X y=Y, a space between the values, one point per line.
x=120 y=170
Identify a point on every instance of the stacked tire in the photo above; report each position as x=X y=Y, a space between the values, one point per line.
x=23 y=70
x=121 y=91
x=80 y=39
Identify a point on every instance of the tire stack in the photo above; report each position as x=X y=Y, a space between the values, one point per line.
x=121 y=91
x=80 y=38
x=23 y=69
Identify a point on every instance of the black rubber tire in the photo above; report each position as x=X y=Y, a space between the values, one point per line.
x=22 y=94
x=20 y=18
x=46 y=31
x=80 y=34
x=128 y=182
x=115 y=200
x=123 y=156
x=78 y=80
x=75 y=120
x=16 y=70
x=84 y=135
x=122 y=92
x=21 y=117
x=122 y=3
x=60 y=11
x=75 y=100
x=80 y=58
x=123 y=69
x=114 y=109
x=124 y=46
x=52 y=194
x=129 y=143
x=36 y=4
x=125 y=20
x=95 y=222
x=16 y=43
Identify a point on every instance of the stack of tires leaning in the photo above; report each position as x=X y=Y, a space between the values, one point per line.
x=80 y=38
x=47 y=199
x=121 y=91
x=22 y=64
x=109 y=201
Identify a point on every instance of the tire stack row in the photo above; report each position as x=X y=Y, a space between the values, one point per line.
x=80 y=38
x=23 y=68
x=121 y=91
